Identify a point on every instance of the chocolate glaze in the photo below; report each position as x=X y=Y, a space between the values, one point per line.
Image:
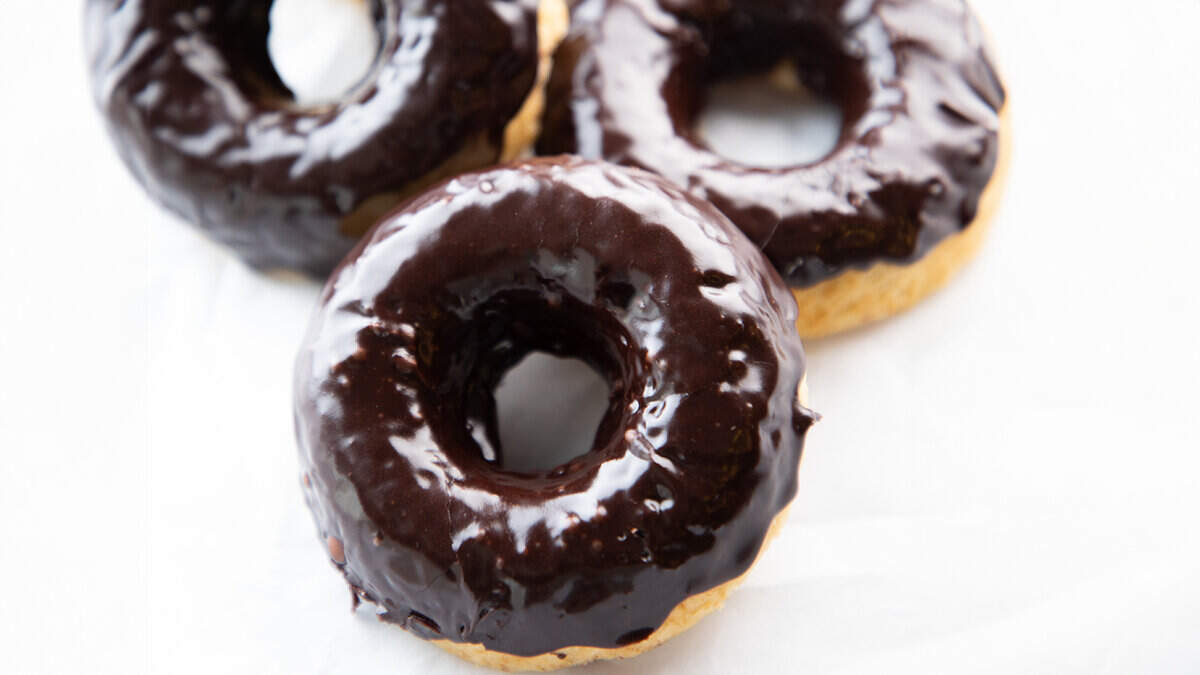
x=203 y=121
x=396 y=421
x=919 y=96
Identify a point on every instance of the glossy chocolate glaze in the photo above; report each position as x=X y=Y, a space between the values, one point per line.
x=396 y=422
x=919 y=96
x=202 y=119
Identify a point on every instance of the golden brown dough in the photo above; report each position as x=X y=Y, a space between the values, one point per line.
x=524 y=127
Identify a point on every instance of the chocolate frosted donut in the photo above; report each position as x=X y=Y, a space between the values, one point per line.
x=202 y=119
x=918 y=146
x=619 y=549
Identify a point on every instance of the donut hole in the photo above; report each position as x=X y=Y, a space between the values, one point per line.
x=769 y=120
x=772 y=95
x=533 y=381
x=548 y=411
x=321 y=49
x=293 y=53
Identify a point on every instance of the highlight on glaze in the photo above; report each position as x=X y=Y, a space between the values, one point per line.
x=919 y=97
x=205 y=124
x=396 y=419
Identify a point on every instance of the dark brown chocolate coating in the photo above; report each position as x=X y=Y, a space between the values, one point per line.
x=203 y=121
x=396 y=420
x=920 y=102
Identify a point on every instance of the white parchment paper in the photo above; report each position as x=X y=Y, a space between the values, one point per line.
x=1007 y=478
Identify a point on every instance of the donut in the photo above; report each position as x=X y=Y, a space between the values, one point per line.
x=204 y=123
x=866 y=231
x=610 y=553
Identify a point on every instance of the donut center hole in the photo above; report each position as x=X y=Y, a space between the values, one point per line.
x=533 y=381
x=321 y=49
x=548 y=412
x=769 y=120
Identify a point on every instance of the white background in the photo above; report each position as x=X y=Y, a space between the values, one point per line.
x=1007 y=478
